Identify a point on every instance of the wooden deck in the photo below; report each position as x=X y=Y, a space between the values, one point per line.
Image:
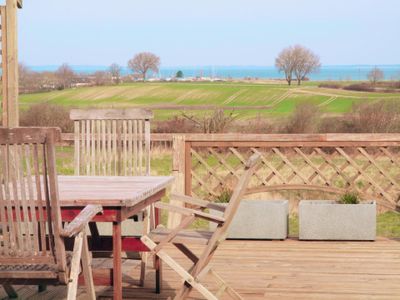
x=279 y=270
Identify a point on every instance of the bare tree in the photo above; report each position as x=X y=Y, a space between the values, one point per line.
x=28 y=80
x=65 y=76
x=115 y=71
x=48 y=81
x=285 y=62
x=216 y=122
x=23 y=72
x=306 y=62
x=144 y=62
x=101 y=78
x=297 y=60
x=375 y=75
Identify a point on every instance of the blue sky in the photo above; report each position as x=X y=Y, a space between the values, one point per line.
x=208 y=32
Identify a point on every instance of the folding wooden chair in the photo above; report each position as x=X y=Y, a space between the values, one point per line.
x=32 y=247
x=179 y=237
x=114 y=142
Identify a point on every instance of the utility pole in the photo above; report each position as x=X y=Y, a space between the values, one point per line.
x=9 y=62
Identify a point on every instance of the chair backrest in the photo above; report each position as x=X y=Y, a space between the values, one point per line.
x=29 y=203
x=239 y=192
x=112 y=142
x=221 y=231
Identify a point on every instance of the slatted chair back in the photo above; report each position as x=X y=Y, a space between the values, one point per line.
x=178 y=236
x=112 y=142
x=238 y=193
x=30 y=215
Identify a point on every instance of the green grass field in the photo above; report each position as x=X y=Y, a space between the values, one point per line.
x=278 y=99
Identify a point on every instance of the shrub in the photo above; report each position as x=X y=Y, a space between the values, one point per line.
x=330 y=85
x=304 y=119
x=174 y=125
x=47 y=115
x=377 y=117
x=388 y=84
x=259 y=125
x=330 y=125
x=349 y=198
x=224 y=196
x=360 y=87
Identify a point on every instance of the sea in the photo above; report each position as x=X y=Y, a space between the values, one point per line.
x=326 y=73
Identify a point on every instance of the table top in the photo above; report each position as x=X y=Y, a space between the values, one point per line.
x=109 y=191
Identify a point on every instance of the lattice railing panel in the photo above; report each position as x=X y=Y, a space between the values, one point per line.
x=372 y=171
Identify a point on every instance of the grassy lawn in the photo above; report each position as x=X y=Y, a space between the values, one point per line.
x=279 y=98
x=388 y=224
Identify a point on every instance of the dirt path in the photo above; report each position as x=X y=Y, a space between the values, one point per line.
x=303 y=91
x=205 y=107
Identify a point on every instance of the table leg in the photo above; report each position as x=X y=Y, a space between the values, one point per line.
x=157 y=217
x=117 y=262
x=94 y=232
x=157 y=260
x=158 y=267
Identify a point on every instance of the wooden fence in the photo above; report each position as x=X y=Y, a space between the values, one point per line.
x=205 y=165
x=158 y=140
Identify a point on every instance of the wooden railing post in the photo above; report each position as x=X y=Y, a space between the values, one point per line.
x=178 y=171
x=10 y=62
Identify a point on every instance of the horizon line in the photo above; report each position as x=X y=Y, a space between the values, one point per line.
x=210 y=66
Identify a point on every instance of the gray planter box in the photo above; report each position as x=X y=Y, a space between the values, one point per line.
x=129 y=227
x=258 y=219
x=328 y=220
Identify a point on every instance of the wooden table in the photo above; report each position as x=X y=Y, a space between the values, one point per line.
x=121 y=198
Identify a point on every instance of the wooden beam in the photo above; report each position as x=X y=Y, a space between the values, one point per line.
x=10 y=64
x=111 y=114
x=178 y=171
x=4 y=77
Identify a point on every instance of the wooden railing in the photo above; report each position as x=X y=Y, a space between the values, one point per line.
x=158 y=140
x=205 y=165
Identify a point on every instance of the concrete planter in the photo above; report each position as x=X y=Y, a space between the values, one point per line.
x=131 y=227
x=258 y=219
x=328 y=220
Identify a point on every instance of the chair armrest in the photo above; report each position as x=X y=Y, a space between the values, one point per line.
x=81 y=220
x=188 y=211
x=198 y=202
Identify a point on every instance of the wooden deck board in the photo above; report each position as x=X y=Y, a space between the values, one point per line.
x=277 y=270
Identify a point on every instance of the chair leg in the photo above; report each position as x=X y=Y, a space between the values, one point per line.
x=75 y=265
x=94 y=232
x=143 y=266
x=144 y=255
x=10 y=291
x=184 y=292
x=224 y=287
x=158 y=268
x=189 y=279
x=42 y=288
x=87 y=269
